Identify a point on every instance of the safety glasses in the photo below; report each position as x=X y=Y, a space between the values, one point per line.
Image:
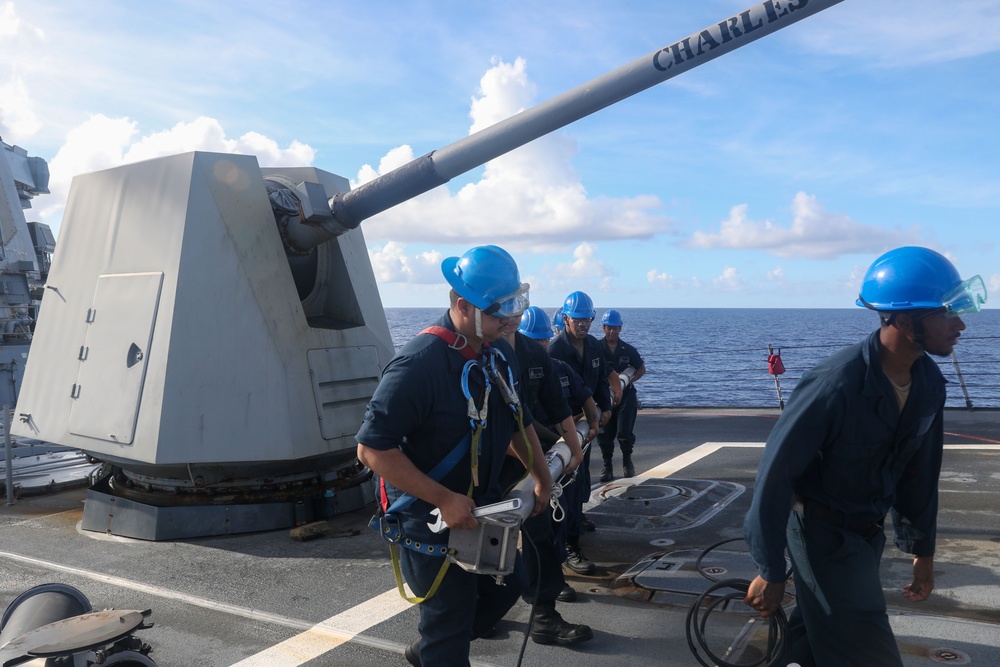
x=967 y=297
x=512 y=305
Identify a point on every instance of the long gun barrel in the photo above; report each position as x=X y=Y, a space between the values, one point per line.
x=440 y=166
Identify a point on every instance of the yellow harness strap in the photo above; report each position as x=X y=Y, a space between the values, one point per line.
x=399 y=577
x=437 y=580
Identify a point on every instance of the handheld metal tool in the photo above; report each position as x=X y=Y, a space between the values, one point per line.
x=511 y=505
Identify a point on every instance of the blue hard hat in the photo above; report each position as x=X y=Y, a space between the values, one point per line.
x=557 y=320
x=912 y=278
x=487 y=277
x=612 y=318
x=535 y=324
x=579 y=306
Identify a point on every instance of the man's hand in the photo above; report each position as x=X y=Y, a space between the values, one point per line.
x=542 y=495
x=764 y=596
x=575 y=457
x=456 y=512
x=593 y=429
x=567 y=429
x=923 y=579
x=605 y=417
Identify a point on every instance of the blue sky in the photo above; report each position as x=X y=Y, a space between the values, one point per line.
x=769 y=177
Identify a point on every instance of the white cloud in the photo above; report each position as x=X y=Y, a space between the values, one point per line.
x=18 y=119
x=776 y=275
x=586 y=271
x=815 y=233
x=101 y=142
x=854 y=279
x=392 y=265
x=207 y=134
x=659 y=279
x=993 y=288
x=730 y=280
x=10 y=22
x=527 y=197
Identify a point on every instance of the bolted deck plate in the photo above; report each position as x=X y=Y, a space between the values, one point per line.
x=657 y=505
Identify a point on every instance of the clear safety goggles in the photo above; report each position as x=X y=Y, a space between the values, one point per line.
x=512 y=305
x=968 y=297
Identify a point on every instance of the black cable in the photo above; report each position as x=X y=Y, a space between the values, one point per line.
x=534 y=598
x=777 y=651
x=777 y=637
x=708 y=550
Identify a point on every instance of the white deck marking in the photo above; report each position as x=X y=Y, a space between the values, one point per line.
x=329 y=634
x=986 y=447
x=321 y=637
x=693 y=456
x=245 y=612
x=708 y=448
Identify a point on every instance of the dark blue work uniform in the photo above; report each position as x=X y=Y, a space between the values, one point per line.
x=622 y=422
x=593 y=370
x=573 y=390
x=420 y=408
x=591 y=367
x=845 y=450
x=540 y=387
x=576 y=394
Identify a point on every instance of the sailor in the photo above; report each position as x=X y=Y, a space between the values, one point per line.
x=541 y=391
x=582 y=352
x=557 y=322
x=585 y=411
x=436 y=433
x=626 y=363
x=861 y=436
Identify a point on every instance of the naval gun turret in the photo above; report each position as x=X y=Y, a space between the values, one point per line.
x=213 y=329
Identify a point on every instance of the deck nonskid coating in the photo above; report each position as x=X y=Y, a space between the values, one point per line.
x=263 y=598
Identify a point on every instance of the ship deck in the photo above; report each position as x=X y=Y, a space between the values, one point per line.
x=266 y=599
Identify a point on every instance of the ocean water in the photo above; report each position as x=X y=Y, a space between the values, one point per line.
x=717 y=357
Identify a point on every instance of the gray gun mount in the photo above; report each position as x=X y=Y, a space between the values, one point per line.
x=214 y=330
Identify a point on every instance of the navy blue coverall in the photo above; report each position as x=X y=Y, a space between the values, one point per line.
x=593 y=370
x=540 y=387
x=848 y=454
x=419 y=407
x=622 y=422
x=576 y=394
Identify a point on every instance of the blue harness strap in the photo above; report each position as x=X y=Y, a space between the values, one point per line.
x=388 y=524
x=437 y=473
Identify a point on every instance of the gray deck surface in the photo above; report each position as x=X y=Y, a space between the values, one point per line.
x=257 y=599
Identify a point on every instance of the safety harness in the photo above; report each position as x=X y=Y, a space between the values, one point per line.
x=387 y=521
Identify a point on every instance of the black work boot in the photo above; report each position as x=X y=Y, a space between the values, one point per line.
x=576 y=561
x=627 y=464
x=548 y=627
x=608 y=471
x=567 y=594
x=412 y=653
